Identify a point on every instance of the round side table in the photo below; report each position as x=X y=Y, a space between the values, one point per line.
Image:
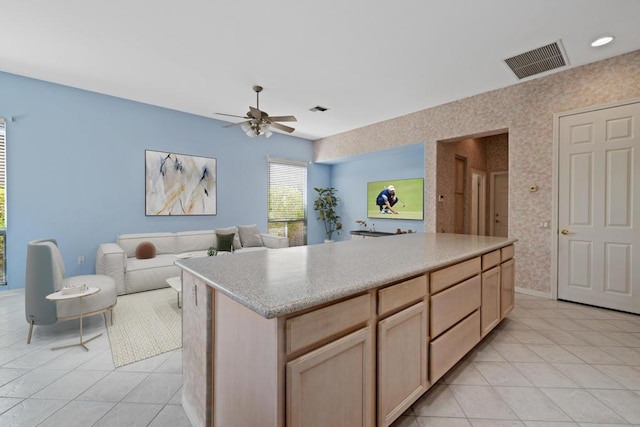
x=58 y=296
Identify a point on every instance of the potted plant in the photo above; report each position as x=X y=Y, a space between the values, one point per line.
x=325 y=205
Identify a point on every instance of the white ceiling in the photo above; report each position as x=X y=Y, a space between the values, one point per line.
x=366 y=60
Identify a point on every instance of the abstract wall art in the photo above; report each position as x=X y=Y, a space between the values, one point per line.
x=179 y=184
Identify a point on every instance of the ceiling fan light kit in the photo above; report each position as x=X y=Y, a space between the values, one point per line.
x=256 y=129
x=258 y=122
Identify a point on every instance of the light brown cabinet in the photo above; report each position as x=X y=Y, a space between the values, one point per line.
x=333 y=385
x=402 y=361
x=490 y=311
x=307 y=329
x=442 y=279
x=358 y=361
x=446 y=350
x=454 y=304
x=456 y=298
x=402 y=356
x=507 y=286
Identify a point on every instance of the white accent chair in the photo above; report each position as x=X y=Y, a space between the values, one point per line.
x=45 y=275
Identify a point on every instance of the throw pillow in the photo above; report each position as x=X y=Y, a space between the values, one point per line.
x=250 y=236
x=229 y=230
x=145 y=250
x=225 y=242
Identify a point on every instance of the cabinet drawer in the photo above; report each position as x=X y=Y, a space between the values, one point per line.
x=507 y=252
x=449 y=276
x=454 y=304
x=490 y=260
x=402 y=294
x=317 y=325
x=447 y=350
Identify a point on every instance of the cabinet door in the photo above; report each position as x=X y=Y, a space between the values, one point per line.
x=507 y=286
x=490 y=309
x=333 y=385
x=402 y=361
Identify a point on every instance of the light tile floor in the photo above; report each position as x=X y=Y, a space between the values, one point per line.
x=550 y=363
x=72 y=387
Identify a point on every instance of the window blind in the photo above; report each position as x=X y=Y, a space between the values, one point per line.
x=2 y=152
x=287 y=196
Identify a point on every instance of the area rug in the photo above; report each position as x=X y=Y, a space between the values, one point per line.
x=145 y=324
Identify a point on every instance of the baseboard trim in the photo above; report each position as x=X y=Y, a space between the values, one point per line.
x=533 y=293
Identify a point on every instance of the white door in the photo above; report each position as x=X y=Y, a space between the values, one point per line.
x=499 y=225
x=599 y=207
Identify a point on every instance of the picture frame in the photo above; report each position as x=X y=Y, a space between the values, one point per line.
x=409 y=203
x=179 y=184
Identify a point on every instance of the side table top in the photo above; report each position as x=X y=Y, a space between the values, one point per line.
x=175 y=283
x=57 y=296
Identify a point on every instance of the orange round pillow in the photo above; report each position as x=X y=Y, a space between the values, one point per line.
x=145 y=250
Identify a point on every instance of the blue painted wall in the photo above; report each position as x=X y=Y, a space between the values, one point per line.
x=75 y=169
x=351 y=176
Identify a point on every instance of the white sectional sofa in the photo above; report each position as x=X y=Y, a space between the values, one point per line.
x=118 y=260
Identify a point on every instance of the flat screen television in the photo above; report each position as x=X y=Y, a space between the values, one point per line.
x=409 y=202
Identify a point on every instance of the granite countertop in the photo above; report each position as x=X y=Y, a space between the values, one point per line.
x=278 y=282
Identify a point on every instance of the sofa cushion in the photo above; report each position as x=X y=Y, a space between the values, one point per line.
x=225 y=242
x=146 y=250
x=250 y=236
x=228 y=230
x=135 y=264
x=191 y=241
x=165 y=243
x=146 y=274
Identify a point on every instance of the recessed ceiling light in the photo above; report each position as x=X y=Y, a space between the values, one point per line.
x=601 y=41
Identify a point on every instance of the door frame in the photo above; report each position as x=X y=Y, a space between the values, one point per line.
x=492 y=198
x=478 y=203
x=555 y=187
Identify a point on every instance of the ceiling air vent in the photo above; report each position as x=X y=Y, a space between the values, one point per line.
x=538 y=61
x=318 y=108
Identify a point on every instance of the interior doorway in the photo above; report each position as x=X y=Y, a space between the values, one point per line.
x=466 y=168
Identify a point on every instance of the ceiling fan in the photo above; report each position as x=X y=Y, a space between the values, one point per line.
x=258 y=122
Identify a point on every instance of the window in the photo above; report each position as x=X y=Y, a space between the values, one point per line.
x=287 y=200
x=3 y=230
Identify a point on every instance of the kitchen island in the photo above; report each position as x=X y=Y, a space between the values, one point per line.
x=345 y=333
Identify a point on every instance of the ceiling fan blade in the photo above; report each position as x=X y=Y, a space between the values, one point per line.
x=283 y=119
x=232 y=115
x=235 y=124
x=282 y=127
x=257 y=114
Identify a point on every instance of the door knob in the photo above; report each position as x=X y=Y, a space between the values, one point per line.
x=497 y=220
x=564 y=232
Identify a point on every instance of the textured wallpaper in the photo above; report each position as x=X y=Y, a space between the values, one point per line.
x=526 y=112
